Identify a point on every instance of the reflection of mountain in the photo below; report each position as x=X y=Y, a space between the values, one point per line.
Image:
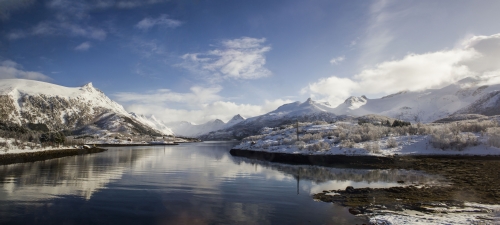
x=79 y=175
x=321 y=174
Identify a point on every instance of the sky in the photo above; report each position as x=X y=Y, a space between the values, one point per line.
x=196 y=60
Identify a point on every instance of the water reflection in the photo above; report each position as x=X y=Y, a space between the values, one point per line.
x=328 y=178
x=198 y=183
x=77 y=175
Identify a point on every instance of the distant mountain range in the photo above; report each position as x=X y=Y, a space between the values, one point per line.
x=188 y=129
x=467 y=96
x=86 y=110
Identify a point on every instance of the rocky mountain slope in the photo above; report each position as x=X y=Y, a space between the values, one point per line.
x=83 y=110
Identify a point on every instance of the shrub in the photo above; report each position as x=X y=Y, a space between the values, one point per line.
x=300 y=144
x=446 y=138
x=320 y=122
x=307 y=137
x=372 y=147
x=392 y=143
x=355 y=137
x=319 y=146
x=317 y=136
x=347 y=144
x=288 y=141
x=493 y=136
x=399 y=123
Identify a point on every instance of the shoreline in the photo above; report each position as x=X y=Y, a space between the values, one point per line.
x=25 y=157
x=466 y=179
x=122 y=145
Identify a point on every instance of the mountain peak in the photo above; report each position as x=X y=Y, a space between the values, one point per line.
x=236 y=119
x=88 y=87
x=238 y=116
x=354 y=102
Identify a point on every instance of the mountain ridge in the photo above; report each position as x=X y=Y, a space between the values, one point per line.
x=84 y=109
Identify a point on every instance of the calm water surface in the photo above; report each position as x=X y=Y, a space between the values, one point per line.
x=196 y=183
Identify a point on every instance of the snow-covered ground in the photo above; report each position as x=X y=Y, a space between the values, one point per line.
x=282 y=141
x=11 y=148
x=472 y=213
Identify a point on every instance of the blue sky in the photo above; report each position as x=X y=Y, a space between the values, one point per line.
x=201 y=60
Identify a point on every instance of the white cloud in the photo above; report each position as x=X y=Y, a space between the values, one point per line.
x=198 y=95
x=223 y=110
x=332 y=89
x=102 y=4
x=10 y=69
x=477 y=56
x=127 y=4
x=378 y=33
x=52 y=28
x=83 y=46
x=241 y=58
x=199 y=105
x=162 y=20
x=337 y=60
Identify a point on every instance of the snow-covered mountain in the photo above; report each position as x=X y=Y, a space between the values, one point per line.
x=188 y=129
x=193 y=130
x=288 y=113
x=85 y=109
x=236 y=119
x=151 y=121
x=467 y=96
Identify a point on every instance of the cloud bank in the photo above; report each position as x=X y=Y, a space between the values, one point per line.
x=200 y=105
x=242 y=58
x=476 y=56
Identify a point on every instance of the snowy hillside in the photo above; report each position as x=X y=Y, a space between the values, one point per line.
x=83 y=109
x=152 y=122
x=470 y=95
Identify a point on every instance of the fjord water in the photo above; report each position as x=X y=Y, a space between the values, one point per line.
x=194 y=183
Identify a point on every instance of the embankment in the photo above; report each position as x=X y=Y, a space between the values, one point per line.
x=325 y=160
x=44 y=155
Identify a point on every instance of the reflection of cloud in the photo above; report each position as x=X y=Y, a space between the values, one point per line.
x=83 y=186
x=51 y=178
